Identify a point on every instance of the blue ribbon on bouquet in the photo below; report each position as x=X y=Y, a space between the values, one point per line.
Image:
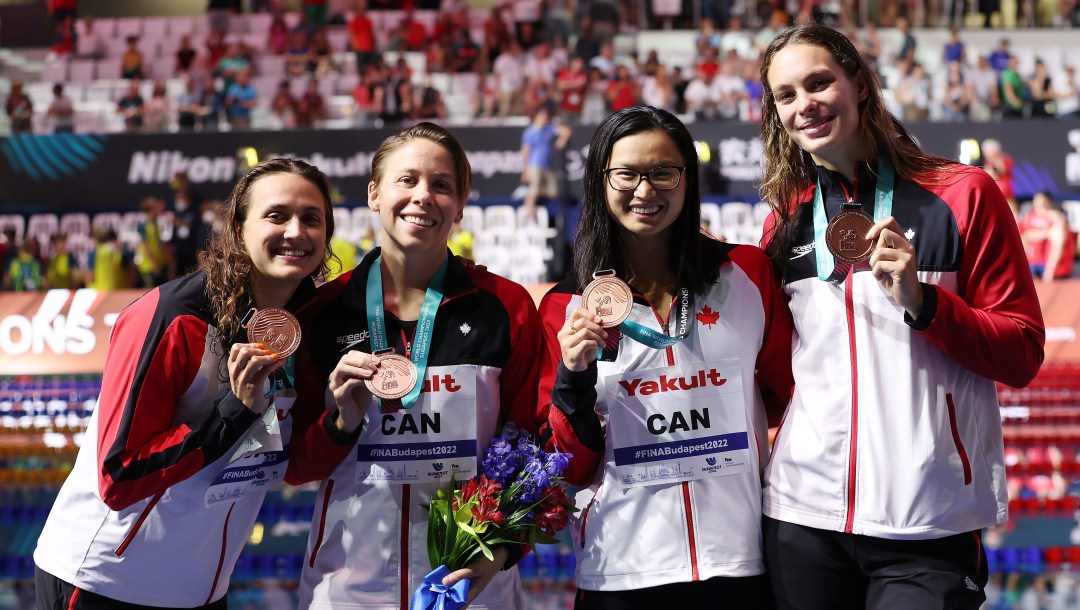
x=433 y=595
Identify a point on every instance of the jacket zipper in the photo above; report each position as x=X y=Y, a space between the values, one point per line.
x=406 y=490
x=322 y=522
x=957 y=440
x=138 y=525
x=853 y=449
x=221 y=558
x=691 y=537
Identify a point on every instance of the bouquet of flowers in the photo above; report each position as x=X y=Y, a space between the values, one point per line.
x=519 y=498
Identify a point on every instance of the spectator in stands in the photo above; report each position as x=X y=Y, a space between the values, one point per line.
x=188 y=236
x=131 y=106
x=702 y=97
x=185 y=404
x=538 y=142
x=65 y=40
x=62 y=269
x=430 y=104
x=541 y=65
x=1001 y=56
x=61 y=111
x=623 y=91
x=595 y=106
x=63 y=9
x=185 y=55
x=216 y=48
x=605 y=61
x=957 y=95
x=1014 y=94
x=278 y=36
x=460 y=241
x=1067 y=94
x=737 y=40
x=868 y=43
x=708 y=35
x=283 y=106
x=150 y=255
x=219 y=12
x=571 y=84
x=509 y=71
x=1040 y=89
x=310 y=107
x=158 y=112
x=999 y=165
x=189 y=108
x=708 y=65
x=464 y=54
x=588 y=44
x=1049 y=242
x=131 y=62
x=641 y=219
x=320 y=60
x=24 y=272
x=364 y=96
x=986 y=100
x=954 y=49
x=89 y=44
x=362 y=38
x=316 y=11
x=393 y=95
x=232 y=63
x=409 y=35
x=678 y=87
x=240 y=99
x=913 y=94
x=299 y=53
x=19 y=109
x=908 y=44
x=903 y=532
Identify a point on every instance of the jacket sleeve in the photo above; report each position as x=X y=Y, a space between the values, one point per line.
x=572 y=425
x=993 y=326
x=773 y=367
x=519 y=377
x=152 y=361
x=317 y=446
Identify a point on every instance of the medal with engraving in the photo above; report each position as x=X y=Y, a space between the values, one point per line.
x=275 y=328
x=608 y=297
x=395 y=377
x=846 y=236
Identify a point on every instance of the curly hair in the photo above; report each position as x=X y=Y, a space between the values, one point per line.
x=226 y=261
x=789 y=170
x=596 y=242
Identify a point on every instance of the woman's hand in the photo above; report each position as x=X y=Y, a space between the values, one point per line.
x=250 y=365
x=347 y=385
x=580 y=339
x=480 y=571
x=894 y=265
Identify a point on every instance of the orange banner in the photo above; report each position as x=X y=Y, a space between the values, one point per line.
x=67 y=331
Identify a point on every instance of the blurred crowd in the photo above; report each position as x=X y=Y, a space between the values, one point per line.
x=392 y=65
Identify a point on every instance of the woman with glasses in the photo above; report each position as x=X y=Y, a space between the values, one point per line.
x=666 y=412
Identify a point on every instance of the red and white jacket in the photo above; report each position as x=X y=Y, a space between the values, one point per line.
x=894 y=429
x=131 y=522
x=368 y=542
x=638 y=537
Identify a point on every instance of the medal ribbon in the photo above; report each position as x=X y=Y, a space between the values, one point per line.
x=826 y=264
x=655 y=339
x=424 y=326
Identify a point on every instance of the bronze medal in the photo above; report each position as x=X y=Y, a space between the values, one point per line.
x=608 y=297
x=846 y=236
x=394 y=378
x=276 y=329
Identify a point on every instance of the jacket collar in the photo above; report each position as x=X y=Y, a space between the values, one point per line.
x=355 y=294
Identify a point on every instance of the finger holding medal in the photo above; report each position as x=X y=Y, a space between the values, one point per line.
x=347 y=384
x=250 y=365
x=581 y=338
x=893 y=264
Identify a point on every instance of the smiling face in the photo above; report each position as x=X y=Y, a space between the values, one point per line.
x=646 y=210
x=284 y=232
x=818 y=104
x=417 y=198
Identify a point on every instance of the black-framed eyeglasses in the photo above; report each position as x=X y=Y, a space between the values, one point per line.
x=663 y=178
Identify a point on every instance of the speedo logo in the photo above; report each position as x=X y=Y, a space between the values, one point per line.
x=350 y=341
x=801 y=251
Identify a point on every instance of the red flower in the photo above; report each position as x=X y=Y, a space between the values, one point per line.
x=488 y=511
x=477 y=485
x=553 y=521
x=554 y=496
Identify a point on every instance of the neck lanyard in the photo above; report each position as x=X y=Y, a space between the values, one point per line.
x=657 y=340
x=424 y=326
x=883 y=200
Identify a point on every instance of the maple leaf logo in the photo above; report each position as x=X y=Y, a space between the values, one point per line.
x=707 y=316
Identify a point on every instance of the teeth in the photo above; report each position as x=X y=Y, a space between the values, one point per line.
x=416 y=220
x=649 y=210
x=284 y=252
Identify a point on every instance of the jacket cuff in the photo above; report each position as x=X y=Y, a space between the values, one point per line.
x=341 y=438
x=929 y=309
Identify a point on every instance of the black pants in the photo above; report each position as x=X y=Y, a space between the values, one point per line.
x=814 y=569
x=747 y=593
x=55 y=594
